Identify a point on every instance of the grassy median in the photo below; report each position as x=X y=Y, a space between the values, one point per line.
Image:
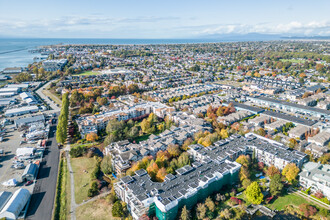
x=62 y=197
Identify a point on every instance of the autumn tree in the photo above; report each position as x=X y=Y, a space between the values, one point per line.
x=161 y=174
x=91 y=137
x=185 y=213
x=272 y=170
x=253 y=193
x=210 y=204
x=174 y=150
x=290 y=171
x=200 y=211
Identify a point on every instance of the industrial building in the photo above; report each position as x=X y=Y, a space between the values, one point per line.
x=21 y=111
x=29 y=120
x=15 y=205
x=30 y=172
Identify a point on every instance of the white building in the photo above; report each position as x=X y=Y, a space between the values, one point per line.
x=316 y=177
x=21 y=111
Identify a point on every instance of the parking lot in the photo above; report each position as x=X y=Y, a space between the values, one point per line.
x=11 y=141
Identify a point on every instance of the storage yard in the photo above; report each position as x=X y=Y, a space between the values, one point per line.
x=24 y=141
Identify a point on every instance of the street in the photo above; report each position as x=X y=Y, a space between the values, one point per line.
x=42 y=200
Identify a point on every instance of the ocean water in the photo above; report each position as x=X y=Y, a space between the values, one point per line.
x=14 y=52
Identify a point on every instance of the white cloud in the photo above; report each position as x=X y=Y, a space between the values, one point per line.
x=310 y=28
x=151 y=26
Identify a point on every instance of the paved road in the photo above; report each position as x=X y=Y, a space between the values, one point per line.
x=46 y=98
x=42 y=201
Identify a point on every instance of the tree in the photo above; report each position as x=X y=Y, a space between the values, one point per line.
x=161 y=174
x=272 y=170
x=226 y=214
x=290 y=171
x=244 y=160
x=246 y=182
x=133 y=132
x=253 y=193
x=185 y=213
x=210 y=204
x=102 y=101
x=93 y=190
x=110 y=139
x=200 y=211
x=106 y=165
x=133 y=88
x=91 y=137
x=23 y=77
x=292 y=143
x=224 y=134
x=275 y=186
x=145 y=125
x=325 y=159
x=307 y=210
x=174 y=150
x=117 y=209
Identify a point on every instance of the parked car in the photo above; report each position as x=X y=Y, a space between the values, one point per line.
x=28 y=183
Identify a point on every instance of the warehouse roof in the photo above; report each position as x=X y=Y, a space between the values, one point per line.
x=16 y=204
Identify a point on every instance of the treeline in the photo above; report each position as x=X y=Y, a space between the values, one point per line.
x=165 y=162
x=61 y=133
x=60 y=209
x=115 y=91
x=122 y=130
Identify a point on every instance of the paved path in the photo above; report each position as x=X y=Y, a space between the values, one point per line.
x=73 y=199
x=42 y=200
x=94 y=198
x=310 y=198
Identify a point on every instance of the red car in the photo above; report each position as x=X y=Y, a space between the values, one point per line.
x=28 y=183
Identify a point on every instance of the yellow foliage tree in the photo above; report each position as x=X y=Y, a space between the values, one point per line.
x=92 y=137
x=290 y=171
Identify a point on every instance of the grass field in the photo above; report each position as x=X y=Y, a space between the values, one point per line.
x=289 y=199
x=98 y=209
x=82 y=178
x=293 y=60
x=52 y=96
x=88 y=73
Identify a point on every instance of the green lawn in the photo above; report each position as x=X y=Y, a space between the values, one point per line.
x=82 y=178
x=293 y=60
x=289 y=199
x=141 y=138
x=87 y=73
x=98 y=209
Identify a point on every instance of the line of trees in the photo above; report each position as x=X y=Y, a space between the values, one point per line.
x=61 y=133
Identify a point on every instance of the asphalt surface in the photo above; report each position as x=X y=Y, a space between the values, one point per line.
x=42 y=200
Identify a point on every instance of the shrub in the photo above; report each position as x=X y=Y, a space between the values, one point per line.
x=78 y=151
x=93 y=190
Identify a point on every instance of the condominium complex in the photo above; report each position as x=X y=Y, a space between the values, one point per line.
x=190 y=185
x=267 y=151
x=316 y=177
x=97 y=122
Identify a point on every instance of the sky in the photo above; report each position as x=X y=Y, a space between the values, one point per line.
x=153 y=19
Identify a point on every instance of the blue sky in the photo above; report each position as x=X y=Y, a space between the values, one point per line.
x=162 y=19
